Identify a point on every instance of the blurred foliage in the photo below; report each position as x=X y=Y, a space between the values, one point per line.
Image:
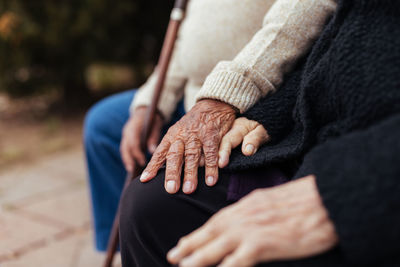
x=49 y=44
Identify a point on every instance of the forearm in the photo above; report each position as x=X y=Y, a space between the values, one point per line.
x=289 y=30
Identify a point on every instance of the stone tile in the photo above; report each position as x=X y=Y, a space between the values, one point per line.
x=69 y=164
x=74 y=251
x=19 y=184
x=60 y=253
x=22 y=183
x=89 y=257
x=70 y=207
x=44 y=214
x=19 y=233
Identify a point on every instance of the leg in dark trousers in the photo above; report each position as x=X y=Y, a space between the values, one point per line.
x=152 y=221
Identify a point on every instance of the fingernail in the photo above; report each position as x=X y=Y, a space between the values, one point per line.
x=210 y=181
x=144 y=176
x=249 y=149
x=171 y=186
x=153 y=148
x=187 y=187
x=173 y=254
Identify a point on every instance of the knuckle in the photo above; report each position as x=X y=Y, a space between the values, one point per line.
x=213 y=229
x=190 y=173
x=211 y=141
x=211 y=150
x=173 y=158
x=211 y=161
x=172 y=174
x=192 y=156
x=136 y=152
x=227 y=240
x=252 y=251
x=192 y=162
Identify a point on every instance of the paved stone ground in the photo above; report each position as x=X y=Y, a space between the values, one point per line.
x=44 y=214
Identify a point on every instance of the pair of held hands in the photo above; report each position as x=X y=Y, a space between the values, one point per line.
x=205 y=137
x=280 y=223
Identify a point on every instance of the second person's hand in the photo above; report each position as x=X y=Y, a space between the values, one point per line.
x=130 y=149
x=249 y=133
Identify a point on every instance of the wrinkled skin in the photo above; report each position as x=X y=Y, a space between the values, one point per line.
x=130 y=143
x=197 y=134
x=280 y=223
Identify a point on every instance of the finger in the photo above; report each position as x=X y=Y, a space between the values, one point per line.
x=202 y=160
x=189 y=243
x=137 y=153
x=210 y=254
x=174 y=166
x=210 y=148
x=130 y=149
x=253 y=140
x=127 y=159
x=131 y=143
x=153 y=140
x=231 y=140
x=244 y=256
x=158 y=159
x=154 y=137
x=192 y=159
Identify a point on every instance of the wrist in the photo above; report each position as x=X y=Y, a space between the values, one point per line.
x=219 y=103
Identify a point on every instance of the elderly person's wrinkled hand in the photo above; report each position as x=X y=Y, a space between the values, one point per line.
x=249 y=133
x=280 y=223
x=198 y=133
x=130 y=149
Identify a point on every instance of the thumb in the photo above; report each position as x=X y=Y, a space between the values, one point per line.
x=253 y=140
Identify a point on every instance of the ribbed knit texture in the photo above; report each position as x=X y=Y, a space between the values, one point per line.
x=232 y=88
x=343 y=124
x=255 y=49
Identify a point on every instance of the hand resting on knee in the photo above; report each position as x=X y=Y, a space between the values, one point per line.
x=251 y=133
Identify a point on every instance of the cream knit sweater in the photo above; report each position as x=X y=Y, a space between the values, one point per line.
x=236 y=51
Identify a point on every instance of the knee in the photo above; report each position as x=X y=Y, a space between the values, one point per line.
x=94 y=122
x=144 y=204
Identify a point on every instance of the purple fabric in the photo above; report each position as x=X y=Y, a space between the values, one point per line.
x=242 y=183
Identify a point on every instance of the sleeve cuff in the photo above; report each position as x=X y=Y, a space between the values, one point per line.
x=232 y=88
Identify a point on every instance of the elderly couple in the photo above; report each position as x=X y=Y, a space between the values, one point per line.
x=288 y=152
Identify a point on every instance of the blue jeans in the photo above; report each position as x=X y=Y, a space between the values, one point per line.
x=102 y=137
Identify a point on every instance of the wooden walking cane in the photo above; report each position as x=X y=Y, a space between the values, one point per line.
x=177 y=16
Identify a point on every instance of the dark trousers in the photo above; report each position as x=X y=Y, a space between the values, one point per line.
x=152 y=221
x=102 y=137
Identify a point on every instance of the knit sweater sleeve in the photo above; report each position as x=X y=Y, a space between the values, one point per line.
x=289 y=30
x=358 y=177
x=173 y=87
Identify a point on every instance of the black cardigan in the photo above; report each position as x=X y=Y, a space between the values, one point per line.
x=338 y=117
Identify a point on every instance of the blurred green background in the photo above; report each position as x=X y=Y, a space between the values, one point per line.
x=58 y=57
x=78 y=48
